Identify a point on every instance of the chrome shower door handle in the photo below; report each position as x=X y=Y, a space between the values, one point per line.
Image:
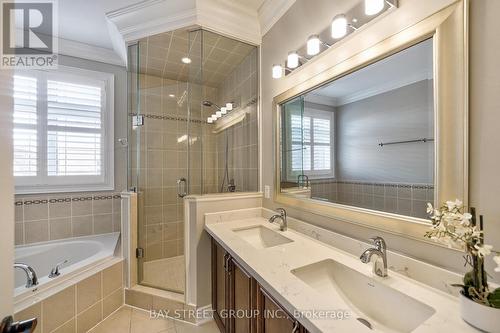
x=181 y=187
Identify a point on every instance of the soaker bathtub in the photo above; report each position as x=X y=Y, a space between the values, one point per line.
x=83 y=254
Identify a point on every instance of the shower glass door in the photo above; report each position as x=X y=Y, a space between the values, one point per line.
x=163 y=144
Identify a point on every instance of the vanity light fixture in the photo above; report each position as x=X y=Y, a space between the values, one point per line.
x=339 y=26
x=277 y=71
x=229 y=106
x=214 y=117
x=186 y=60
x=210 y=120
x=338 y=29
x=313 y=45
x=223 y=110
x=218 y=114
x=373 y=7
x=292 y=60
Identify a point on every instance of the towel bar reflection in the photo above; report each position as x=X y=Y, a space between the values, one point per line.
x=407 y=141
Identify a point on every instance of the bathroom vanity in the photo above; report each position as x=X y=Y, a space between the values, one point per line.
x=267 y=280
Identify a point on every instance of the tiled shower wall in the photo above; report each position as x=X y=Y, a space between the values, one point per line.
x=241 y=87
x=48 y=217
x=163 y=160
x=404 y=199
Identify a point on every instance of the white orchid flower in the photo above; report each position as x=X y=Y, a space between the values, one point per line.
x=430 y=209
x=466 y=217
x=454 y=204
x=497 y=261
x=483 y=250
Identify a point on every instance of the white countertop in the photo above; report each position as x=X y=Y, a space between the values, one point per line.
x=271 y=268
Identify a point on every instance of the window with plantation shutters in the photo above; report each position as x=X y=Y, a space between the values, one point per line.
x=312 y=142
x=63 y=131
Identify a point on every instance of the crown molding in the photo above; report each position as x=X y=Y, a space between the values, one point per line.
x=90 y=52
x=388 y=86
x=271 y=11
x=155 y=16
x=150 y=17
x=229 y=19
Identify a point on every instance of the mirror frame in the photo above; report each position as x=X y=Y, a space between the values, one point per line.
x=449 y=30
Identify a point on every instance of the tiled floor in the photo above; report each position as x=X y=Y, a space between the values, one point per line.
x=132 y=320
x=168 y=273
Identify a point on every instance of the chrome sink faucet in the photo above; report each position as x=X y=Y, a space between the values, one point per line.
x=282 y=217
x=31 y=278
x=380 y=250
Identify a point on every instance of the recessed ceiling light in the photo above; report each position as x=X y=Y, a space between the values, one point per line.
x=186 y=60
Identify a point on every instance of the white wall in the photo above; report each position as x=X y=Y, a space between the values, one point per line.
x=304 y=19
x=6 y=196
x=405 y=113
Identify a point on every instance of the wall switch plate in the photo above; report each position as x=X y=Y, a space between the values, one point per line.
x=267 y=191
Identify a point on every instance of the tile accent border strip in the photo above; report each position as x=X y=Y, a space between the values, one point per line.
x=28 y=202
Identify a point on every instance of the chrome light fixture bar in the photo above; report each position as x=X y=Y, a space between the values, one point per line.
x=220 y=111
x=343 y=24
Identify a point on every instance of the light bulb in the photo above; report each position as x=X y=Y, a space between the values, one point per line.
x=218 y=114
x=210 y=120
x=339 y=26
x=223 y=110
x=292 y=60
x=229 y=106
x=313 y=44
x=214 y=117
x=373 y=7
x=277 y=71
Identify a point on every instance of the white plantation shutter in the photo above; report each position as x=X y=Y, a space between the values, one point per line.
x=25 y=126
x=74 y=140
x=63 y=131
x=311 y=150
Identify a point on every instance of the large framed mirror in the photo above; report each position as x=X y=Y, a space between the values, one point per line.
x=375 y=138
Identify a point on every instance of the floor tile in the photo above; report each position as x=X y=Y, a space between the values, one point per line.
x=117 y=322
x=142 y=322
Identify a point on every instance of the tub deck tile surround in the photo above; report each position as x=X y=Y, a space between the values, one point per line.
x=79 y=307
x=46 y=217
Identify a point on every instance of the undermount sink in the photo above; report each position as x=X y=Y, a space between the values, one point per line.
x=374 y=304
x=261 y=237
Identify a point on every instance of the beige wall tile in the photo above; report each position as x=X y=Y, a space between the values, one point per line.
x=68 y=327
x=58 y=309
x=82 y=225
x=36 y=212
x=89 y=318
x=112 y=302
x=36 y=231
x=138 y=299
x=19 y=213
x=60 y=209
x=81 y=208
x=19 y=233
x=88 y=292
x=34 y=311
x=112 y=278
x=60 y=228
x=104 y=206
x=103 y=223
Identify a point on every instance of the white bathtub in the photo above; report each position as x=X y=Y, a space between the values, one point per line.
x=83 y=254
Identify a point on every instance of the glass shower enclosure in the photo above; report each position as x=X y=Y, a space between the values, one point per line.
x=177 y=80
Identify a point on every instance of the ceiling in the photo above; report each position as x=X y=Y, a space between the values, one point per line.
x=408 y=66
x=85 y=21
x=213 y=57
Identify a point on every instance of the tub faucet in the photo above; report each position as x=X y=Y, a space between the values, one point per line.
x=282 y=217
x=31 y=278
x=55 y=271
x=380 y=250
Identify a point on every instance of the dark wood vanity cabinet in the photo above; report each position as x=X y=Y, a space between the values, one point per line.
x=240 y=304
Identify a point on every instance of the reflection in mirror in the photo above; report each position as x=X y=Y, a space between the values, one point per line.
x=366 y=139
